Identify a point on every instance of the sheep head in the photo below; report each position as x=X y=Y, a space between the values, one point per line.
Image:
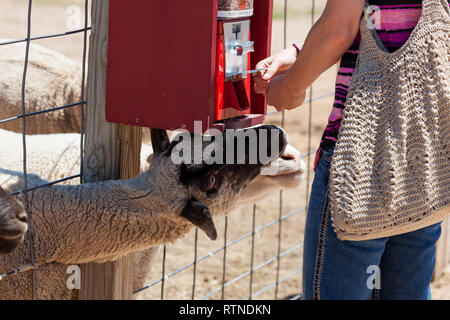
x=13 y=223
x=286 y=172
x=212 y=173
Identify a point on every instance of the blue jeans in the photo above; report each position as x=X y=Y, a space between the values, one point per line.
x=398 y=267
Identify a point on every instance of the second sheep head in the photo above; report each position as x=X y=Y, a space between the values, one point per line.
x=208 y=189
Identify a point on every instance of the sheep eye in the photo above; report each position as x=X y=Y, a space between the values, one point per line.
x=211 y=181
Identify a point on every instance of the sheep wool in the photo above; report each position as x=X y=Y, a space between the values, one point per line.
x=53 y=80
x=390 y=172
x=70 y=221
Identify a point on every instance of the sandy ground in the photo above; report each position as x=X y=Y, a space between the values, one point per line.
x=52 y=16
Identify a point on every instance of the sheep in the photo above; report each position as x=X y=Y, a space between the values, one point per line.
x=100 y=222
x=287 y=177
x=58 y=157
x=53 y=80
x=286 y=172
x=13 y=222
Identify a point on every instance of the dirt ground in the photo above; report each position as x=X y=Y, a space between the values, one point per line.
x=52 y=16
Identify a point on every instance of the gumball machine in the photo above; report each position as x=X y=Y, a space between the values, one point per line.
x=172 y=62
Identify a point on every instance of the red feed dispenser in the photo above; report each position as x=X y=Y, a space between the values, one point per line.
x=172 y=62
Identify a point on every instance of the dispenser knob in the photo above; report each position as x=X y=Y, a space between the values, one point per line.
x=244 y=48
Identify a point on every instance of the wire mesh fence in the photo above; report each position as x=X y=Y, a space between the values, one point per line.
x=224 y=273
x=170 y=282
x=24 y=115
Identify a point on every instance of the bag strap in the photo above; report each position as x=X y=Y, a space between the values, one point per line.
x=366 y=9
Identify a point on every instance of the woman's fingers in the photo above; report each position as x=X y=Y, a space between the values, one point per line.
x=277 y=97
x=270 y=66
x=273 y=66
x=264 y=64
x=260 y=81
x=260 y=84
x=260 y=89
x=273 y=70
x=280 y=63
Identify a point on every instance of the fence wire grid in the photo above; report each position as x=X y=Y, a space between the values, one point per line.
x=24 y=115
x=220 y=290
x=193 y=266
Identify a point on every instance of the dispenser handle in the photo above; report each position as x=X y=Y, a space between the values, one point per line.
x=244 y=48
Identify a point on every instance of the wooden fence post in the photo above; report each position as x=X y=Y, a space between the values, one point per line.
x=442 y=251
x=111 y=152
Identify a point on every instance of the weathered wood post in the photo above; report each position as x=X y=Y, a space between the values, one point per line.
x=111 y=152
x=442 y=251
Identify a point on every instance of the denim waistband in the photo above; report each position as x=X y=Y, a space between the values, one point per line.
x=327 y=152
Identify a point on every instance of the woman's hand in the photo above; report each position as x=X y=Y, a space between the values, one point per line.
x=287 y=79
x=283 y=93
x=275 y=65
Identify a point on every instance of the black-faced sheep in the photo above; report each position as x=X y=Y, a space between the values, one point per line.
x=56 y=156
x=100 y=222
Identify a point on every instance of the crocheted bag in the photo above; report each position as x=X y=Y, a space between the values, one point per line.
x=390 y=172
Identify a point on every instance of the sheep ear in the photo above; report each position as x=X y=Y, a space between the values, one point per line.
x=198 y=213
x=160 y=140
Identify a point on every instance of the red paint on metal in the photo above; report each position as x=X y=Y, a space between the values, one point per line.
x=162 y=69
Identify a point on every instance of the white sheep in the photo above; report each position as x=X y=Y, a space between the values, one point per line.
x=286 y=173
x=100 y=222
x=13 y=222
x=53 y=80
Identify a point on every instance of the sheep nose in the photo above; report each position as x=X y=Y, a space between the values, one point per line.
x=282 y=137
x=22 y=216
x=283 y=140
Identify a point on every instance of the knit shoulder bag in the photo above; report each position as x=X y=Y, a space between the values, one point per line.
x=390 y=172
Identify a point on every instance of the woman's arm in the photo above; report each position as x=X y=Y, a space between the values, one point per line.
x=327 y=41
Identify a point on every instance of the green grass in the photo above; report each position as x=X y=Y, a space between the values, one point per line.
x=278 y=12
x=60 y=3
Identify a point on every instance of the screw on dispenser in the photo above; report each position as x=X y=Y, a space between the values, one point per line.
x=239 y=25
